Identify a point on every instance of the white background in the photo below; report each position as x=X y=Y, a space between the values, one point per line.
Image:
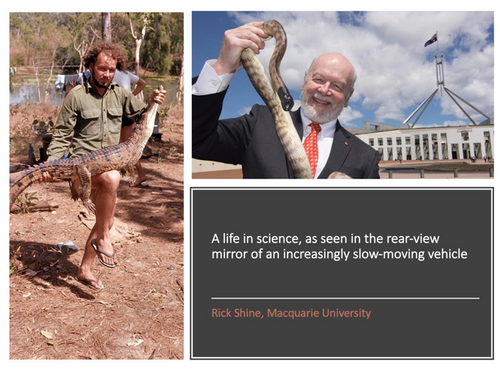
x=187 y=6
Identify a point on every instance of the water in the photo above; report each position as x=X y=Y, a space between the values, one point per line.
x=27 y=92
x=170 y=85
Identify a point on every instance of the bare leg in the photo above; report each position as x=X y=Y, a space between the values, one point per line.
x=106 y=186
x=125 y=134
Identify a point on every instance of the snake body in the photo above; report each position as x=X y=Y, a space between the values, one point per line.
x=278 y=100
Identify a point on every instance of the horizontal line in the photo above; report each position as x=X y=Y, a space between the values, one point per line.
x=341 y=358
x=345 y=298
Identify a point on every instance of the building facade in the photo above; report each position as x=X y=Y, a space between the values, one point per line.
x=429 y=143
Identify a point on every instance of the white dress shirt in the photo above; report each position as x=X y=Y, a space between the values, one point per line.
x=325 y=140
x=209 y=83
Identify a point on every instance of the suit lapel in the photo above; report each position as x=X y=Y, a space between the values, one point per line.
x=297 y=122
x=340 y=149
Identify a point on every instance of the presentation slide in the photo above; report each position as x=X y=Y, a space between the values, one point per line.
x=342 y=273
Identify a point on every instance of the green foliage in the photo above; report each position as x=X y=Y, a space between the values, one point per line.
x=163 y=114
x=162 y=47
x=36 y=38
x=26 y=200
x=18 y=148
x=40 y=39
x=83 y=28
x=174 y=211
x=14 y=255
x=41 y=127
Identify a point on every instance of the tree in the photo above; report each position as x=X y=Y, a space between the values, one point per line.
x=143 y=21
x=38 y=38
x=106 y=27
x=45 y=40
x=162 y=49
x=180 y=86
x=83 y=28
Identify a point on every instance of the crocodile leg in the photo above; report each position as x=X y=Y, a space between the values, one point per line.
x=75 y=187
x=132 y=174
x=85 y=187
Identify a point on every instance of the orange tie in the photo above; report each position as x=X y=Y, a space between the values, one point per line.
x=311 y=146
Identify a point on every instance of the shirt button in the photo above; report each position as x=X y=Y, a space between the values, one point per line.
x=214 y=83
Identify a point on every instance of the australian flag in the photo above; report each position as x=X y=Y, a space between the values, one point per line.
x=431 y=40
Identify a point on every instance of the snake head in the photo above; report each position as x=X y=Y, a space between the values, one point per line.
x=285 y=98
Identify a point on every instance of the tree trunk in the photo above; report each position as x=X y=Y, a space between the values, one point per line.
x=138 y=40
x=138 y=43
x=82 y=49
x=106 y=27
x=37 y=83
x=48 y=82
x=180 y=89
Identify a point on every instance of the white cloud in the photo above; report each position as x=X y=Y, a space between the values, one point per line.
x=471 y=78
x=348 y=115
x=455 y=123
x=244 y=110
x=395 y=71
x=446 y=123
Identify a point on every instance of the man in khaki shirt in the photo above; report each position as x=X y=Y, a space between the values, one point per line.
x=90 y=119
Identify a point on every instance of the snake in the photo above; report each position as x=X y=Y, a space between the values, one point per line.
x=277 y=98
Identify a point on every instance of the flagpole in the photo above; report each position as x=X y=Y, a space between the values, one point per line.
x=437 y=37
x=440 y=85
x=439 y=66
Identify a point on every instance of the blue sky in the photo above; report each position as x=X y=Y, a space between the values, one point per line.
x=395 y=72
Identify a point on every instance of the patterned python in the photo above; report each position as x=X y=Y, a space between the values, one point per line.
x=278 y=100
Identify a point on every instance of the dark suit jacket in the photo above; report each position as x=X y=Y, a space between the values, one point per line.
x=251 y=141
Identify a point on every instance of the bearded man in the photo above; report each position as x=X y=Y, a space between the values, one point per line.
x=251 y=140
x=91 y=118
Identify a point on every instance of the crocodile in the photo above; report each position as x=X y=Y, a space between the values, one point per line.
x=79 y=169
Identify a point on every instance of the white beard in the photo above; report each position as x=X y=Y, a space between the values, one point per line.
x=310 y=111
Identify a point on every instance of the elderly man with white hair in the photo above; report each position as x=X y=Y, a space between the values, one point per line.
x=251 y=140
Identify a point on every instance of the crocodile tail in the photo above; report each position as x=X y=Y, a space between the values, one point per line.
x=30 y=176
x=23 y=181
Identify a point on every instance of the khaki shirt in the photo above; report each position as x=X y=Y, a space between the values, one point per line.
x=88 y=121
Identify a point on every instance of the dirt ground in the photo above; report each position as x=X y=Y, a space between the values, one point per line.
x=139 y=314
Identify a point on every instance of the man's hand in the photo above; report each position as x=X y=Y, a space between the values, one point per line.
x=158 y=96
x=46 y=177
x=235 y=40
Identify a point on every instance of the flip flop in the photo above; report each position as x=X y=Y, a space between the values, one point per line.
x=140 y=185
x=90 y=283
x=99 y=252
